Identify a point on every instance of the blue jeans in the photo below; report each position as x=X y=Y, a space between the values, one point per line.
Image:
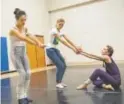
x=55 y=55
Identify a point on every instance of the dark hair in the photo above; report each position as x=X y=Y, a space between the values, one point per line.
x=110 y=50
x=18 y=13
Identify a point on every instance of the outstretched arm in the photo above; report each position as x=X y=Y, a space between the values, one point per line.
x=65 y=42
x=34 y=38
x=69 y=41
x=100 y=58
x=22 y=37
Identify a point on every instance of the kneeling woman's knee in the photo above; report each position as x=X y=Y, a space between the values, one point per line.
x=98 y=71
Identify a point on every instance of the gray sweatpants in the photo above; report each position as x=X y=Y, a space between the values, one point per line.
x=21 y=64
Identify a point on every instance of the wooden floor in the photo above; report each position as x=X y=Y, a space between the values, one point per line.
x=43 y=91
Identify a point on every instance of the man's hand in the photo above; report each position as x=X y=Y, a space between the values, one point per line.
x=39 y=44
x=79 y=49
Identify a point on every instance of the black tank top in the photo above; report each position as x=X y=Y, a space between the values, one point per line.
x=112 y=69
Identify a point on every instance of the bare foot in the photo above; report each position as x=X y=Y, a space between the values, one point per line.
x=108 y=87
x=81 y=87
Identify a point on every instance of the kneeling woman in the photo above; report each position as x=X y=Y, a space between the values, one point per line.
x=109 y=79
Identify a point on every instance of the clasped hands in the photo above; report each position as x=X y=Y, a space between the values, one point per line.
x=77 y=50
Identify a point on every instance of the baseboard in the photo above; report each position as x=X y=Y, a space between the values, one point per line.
x=92 y=63
x=11 y=71
x=7 y=72
x=70 y=64
x=50 y=64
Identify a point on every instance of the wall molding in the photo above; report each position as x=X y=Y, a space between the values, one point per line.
x=74 y=5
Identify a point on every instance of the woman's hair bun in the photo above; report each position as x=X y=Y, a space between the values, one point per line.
x=17 y=10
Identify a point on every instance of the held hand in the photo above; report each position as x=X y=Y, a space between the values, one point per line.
x=38 y=44
x=79 y=49
x=41 y=45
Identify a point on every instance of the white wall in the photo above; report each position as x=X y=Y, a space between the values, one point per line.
x=36 y=10
x=37 y=21
x=94 y=26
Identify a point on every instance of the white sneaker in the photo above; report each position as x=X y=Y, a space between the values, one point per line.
x=59 y=85
x=63 y=84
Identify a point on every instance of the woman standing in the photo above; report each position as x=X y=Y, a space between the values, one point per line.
x=55 y=55
x=19 y=58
